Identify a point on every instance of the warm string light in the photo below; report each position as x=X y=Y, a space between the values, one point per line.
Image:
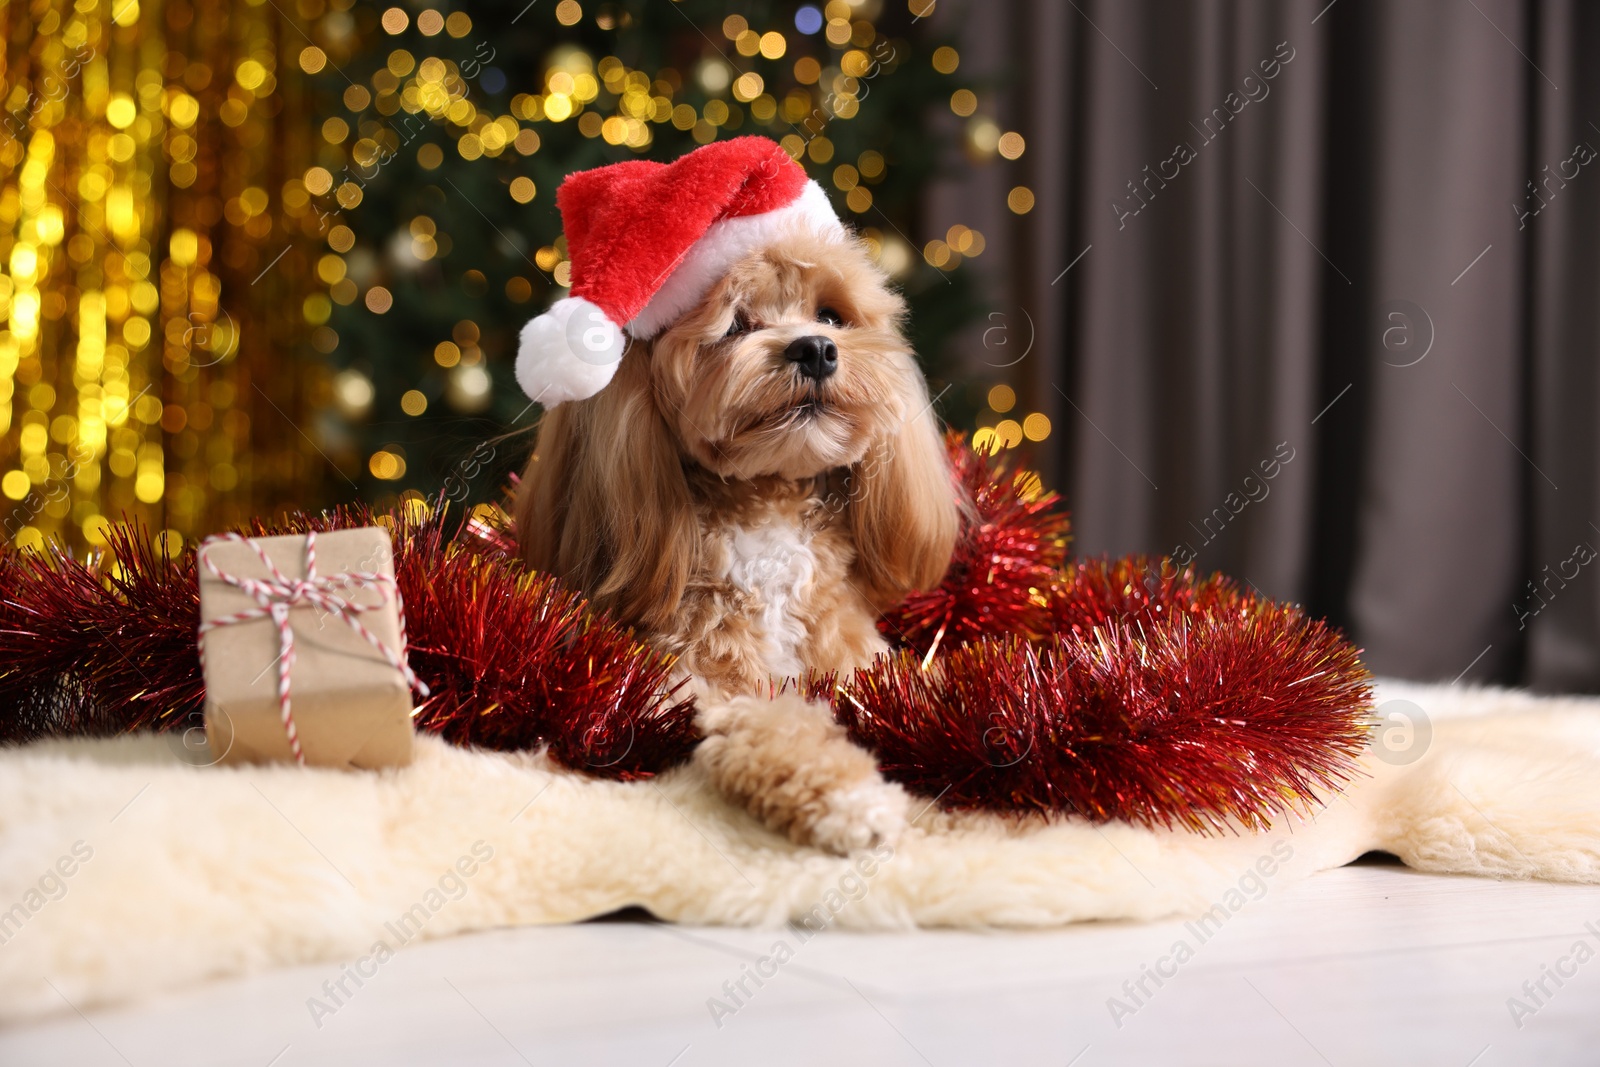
x=140 y=225
x=133 y=217
x=81 y=309
x=816 y=73
x=996 y=435
x=412 y=91
x=984 y=140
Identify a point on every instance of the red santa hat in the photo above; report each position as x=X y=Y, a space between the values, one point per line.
x=647 y=241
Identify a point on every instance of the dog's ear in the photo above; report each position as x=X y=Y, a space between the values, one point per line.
x=604 y=503
x=904 y=509
x=540 y=506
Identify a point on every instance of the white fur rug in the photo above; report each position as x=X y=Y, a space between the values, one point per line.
x=124 y=871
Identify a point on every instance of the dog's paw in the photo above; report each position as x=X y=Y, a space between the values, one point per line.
x=794 y=768
x=865 y=814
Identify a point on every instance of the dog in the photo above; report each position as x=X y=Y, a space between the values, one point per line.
x=757 y=484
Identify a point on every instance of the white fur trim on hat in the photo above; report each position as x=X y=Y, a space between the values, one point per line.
x=724 y=244
x=568 y=353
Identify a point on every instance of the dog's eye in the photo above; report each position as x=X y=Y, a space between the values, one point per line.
x=740 y=324
x=830 y=316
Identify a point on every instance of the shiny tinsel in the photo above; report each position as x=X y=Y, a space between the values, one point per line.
x=1093 y=592
x=1162 y=697
x=1005 y=568
x=99 y=645
x=511 y=659
x=1202 y=722
x=1117 y=689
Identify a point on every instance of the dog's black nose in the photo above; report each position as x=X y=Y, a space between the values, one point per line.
x=816 y=356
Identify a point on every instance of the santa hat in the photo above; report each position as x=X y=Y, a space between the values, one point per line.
x=647 y=241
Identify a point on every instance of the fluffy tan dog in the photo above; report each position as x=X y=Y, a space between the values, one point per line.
x=753 y=487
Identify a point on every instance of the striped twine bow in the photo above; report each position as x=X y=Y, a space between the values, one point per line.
x=278 y=595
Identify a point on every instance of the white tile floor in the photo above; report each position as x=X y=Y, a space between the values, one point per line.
x=1372 y=964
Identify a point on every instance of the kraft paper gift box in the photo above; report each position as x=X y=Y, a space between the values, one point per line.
x=351 y=707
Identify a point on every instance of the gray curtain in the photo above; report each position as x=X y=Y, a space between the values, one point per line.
x=1330 y=319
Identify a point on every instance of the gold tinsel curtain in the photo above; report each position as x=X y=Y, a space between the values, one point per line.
x=146 y=368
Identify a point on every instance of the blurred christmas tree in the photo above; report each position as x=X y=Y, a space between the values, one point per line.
x=444 y=136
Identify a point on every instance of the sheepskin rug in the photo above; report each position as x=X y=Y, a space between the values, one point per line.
x=125 y=870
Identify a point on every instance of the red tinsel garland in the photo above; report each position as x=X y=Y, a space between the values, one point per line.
x=1127 y=688
x=511 y=659
x=1094 y=592
x=99 y=646
x=1187 y=719
x=1005 y=567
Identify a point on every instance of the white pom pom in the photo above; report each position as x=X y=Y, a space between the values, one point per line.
x=568 y=353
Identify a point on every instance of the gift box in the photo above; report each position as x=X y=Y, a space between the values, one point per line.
x=302 y=642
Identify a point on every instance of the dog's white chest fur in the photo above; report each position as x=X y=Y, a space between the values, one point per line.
x=774 y=564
